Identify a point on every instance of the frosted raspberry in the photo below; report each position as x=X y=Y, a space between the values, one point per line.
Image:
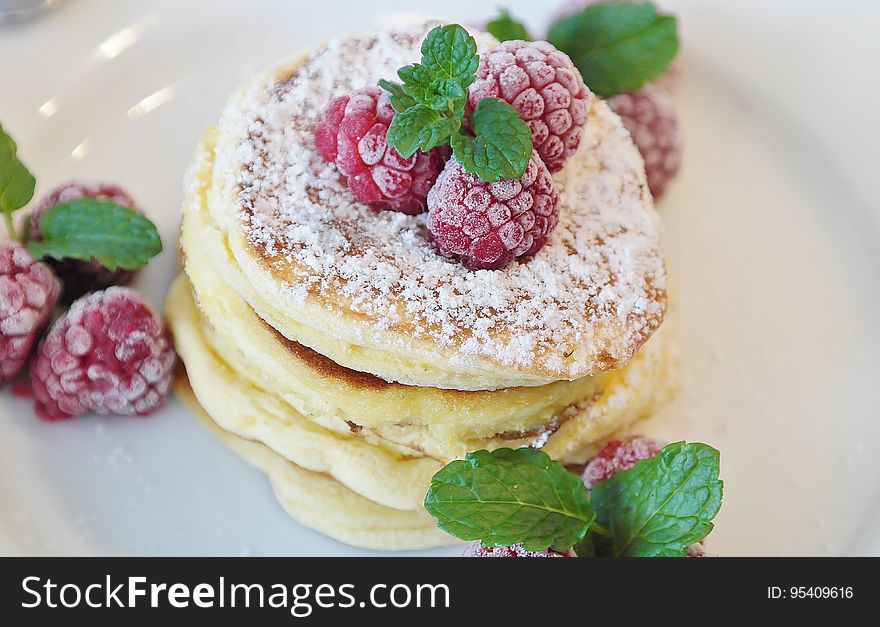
x=670 y=79
x=28 y=293
x=649 y=116
x=111 y=353
x=352 y=135
x=80 y=277
x=546 y=89
x=488 y=225
x=619 y=455
x=478 y=549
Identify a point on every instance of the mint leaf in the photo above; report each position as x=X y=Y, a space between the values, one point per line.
x=661 y=505
x=16 y=182
x=440 y=81
x=505 y=496
x=430 y=104
x=618 y=47
x=505 y=27
x=450 y=94
x=399 y=99
x=502 y=146
x=88 y=228
x=449 y=52
x=417 y=83
x=438 y=133
x=442 y=94
x=420 y=128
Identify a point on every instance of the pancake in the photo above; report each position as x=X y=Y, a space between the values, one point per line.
x=318 y=386
x=236 y=394
x=320 y=503
x=366 y=288
x=239 y=406
x=331 y=346
x=337 y=397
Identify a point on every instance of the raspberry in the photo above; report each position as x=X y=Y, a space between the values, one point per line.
x=478 y=549
x=80 y=277
x=28 y=294
x=487 y=225
x=111 y=353
x=619 y=455
x=670 y=79
x=545 y=88
x=649 y=116
x=352 y=135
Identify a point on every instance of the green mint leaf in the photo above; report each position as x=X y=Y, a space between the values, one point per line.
x=16 y=182
x=403 y=133
x=399 y=99
x=502 y=146
x=438 y=133
x=505 y=27
x=449 y=90
x=429 y=104
x=423 y=87
x=418 y=83
x=661 y=505
x=420 y=128
x=88 y=228
x=618 y=47
x=505 y=496
x=587 y=546
x=449 y=52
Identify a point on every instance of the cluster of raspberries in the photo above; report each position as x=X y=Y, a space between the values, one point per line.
x=615 y=456
x=110 y=353
x=484 y=225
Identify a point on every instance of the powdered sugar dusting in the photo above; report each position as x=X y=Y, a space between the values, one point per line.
x=584 y=303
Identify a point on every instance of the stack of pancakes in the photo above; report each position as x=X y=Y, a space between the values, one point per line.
x=336 y=350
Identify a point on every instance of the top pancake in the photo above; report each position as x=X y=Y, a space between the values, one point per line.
x=368 y=289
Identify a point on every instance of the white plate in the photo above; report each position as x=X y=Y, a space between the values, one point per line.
x=772 y=236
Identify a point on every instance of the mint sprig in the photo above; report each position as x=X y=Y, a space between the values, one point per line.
x=661 y=505
x=16 y=181
x=501 y=145
x=449 y=52
x=440 y=81
x=84 y=229
x=399 y=98
x=430 y=110
x=505 y=27
x=658 y=507
x=88 y=228
x=508 y=496
x=426 y=89
x=619 y=46
x=420 y=128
